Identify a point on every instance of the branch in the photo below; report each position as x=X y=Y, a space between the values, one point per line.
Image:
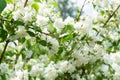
x=77 y=18
x=25 y=3
x=111 y=16
x=3 y=52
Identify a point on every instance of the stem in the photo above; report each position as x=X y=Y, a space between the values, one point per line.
x=111 y=16
x=3 y=52
x=25 y=3
x=77 y=18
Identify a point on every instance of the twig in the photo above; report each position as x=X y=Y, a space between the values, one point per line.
x=25 y=3
x=77 y=18
x=111 y=16
x=3 y=52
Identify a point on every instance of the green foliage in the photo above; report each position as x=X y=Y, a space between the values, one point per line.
x=54 y=4
x=10 y=1
x=37 y=28
x=3 y=35
x=2 y=5
x=31 y=33
x=3 y=77
x=68 y=28
x=68 y=37
x=42 y=42
x=35 y=6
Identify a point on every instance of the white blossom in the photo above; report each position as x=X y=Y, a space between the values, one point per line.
x=41 y=20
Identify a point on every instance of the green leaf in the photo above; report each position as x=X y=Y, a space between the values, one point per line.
x=3 y=77
x=99 y=42
x=35 y=6
x=102 y=12
x=61 y=49
x=37 y=0
x=83 y=37
x=21 y=40
x=1 y=25
x=10 y=1
x=2 y=5
x=3 y=35
x=31 y=33
x=67 y=38
x=109 y=49
x=37 y=28
x=28 y=44
x=95 y=29
x=16 y=23
x=68 y=28
x=54 y=3
x=43 y=42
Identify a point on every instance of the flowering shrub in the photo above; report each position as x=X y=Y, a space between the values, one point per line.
x=37 y=44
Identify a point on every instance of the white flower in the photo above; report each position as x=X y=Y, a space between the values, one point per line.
x=114 y=35
x=55 y=45
x=116 y=67
x=81 y=59
x=28 y=14
x=71 y=67
x=69 y=20
x=4 y=68
x=63 y=66
x=98 y=17
x=27 y=17
x=44 y=58
x=59 y=24
x=17 y=14
x=19 y=74
x=32 y=62
x=8 y=8
x=19 y=34
x=37 y=69
x=38 y=78
x=106 y=59
x=41 y=20
x=116 y=76
x=19 y=64
x=77 y=26
x=78 y=77
x=104 y=68
x=44 y=9
x=50 y=72
x=25 y=75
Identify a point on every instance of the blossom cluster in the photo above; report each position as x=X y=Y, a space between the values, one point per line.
x=43 y=46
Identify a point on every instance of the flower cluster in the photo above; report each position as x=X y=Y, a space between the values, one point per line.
x=43 y=46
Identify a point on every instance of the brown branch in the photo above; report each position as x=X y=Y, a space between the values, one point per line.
x=111 y=16
x=25 y=3
x=77 y=18
x=3 y=52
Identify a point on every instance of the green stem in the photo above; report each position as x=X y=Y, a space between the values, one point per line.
x=77 y=18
